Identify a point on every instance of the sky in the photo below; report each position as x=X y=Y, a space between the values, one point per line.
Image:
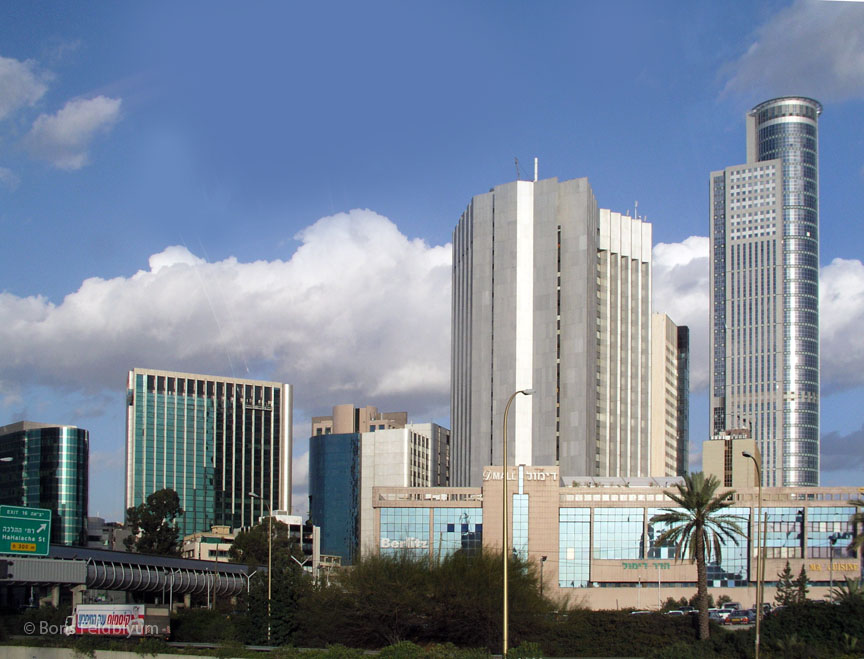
x=269 y=190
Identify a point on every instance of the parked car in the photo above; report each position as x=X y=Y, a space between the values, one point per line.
x=740 y=617
x=732 y=606
x=676 y=612
x=640 y=613
x=688 y=609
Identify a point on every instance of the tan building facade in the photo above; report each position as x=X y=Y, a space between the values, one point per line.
x=347 y=418
x=598 y=537
x=723 y=457
x=669 y=398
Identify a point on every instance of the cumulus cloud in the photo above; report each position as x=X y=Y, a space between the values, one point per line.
x=841 y=317
x=843 y=452
x=681 y=290
x=20 y=85
x=64 y=138
x=359 y=313
x=680 y=279
x=811 y=48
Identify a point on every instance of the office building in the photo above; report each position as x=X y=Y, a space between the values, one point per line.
x=723 y=457
x=764 y=358
x=344 y=467
x=213 y=440
x=46 y=466
x=670 y=397
x=553 y=294
x=623 y=348
x=347 y=418
x=599 y=540
x=106 y=535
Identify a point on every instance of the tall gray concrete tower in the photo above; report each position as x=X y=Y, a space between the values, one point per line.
x=764 y=360
x=553 y=294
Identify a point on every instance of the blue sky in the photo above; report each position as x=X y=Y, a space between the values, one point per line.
x=269 y=191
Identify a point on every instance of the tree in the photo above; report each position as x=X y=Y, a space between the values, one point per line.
x=785 y=595
x=699 y=529
x=851 y=591
x=791 y=591
x=858 y=520
x=802 y=586
x=251 y=547
x=153 y=524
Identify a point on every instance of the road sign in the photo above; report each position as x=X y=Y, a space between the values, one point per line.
x=25 y=531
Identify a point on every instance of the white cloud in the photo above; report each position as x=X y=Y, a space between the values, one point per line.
x=8 y=178
x=680 y=280
x=360 y=314
x=20 y=85
x=841 y=317
x=681 y=289
x=810 y=48
x=65 y=137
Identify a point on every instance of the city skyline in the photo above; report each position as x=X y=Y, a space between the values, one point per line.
x=281 y=208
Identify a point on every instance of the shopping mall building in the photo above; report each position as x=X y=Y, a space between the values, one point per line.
x=594 y=542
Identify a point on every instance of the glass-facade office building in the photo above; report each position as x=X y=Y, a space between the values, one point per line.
x=334 y=492
x=213 y=440
x=597 y=539
x=47 y=467
x=765 y=291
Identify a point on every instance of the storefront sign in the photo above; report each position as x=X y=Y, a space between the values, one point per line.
x=407 y=543
x=645 y=566
x=838 y=567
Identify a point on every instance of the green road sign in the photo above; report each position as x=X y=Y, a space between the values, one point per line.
x=24 y=531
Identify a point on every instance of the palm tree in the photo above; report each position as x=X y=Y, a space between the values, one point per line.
x=848 y=592
x=858 y=520
x=698 y=529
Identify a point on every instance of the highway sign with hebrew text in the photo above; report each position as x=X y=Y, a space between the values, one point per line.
x=25 y=531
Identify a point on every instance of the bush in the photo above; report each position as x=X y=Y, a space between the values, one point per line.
x=203 y=626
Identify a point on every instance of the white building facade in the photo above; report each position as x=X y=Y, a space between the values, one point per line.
x=553 y=294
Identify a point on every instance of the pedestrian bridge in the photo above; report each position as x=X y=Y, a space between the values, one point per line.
x=101 y=569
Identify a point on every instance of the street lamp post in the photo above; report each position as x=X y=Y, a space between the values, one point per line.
x=504 y=553
x=760 y=541
x=542 y=561
x=833 y=538
x=269 y=557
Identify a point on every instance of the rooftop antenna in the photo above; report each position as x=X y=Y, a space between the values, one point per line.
x=535 y=169
x=636 y=209
x=517 y=168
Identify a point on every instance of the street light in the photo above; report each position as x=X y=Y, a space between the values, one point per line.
x=760 y=541
x=269 y=558
x=542 y=561
x=524 y=392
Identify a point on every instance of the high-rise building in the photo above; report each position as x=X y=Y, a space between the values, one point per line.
x=214 y=441
x=670 y=397
x=46 y=466
x=550 y=293
x=344 y=467
x=764 y=358
x=347 y=418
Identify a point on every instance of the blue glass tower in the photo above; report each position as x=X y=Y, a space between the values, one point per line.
x=212 y=440
x=334 y=492
x=48 y=468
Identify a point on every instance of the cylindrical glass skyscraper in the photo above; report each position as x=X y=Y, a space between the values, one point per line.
x=786 y=129
x=765 y=291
